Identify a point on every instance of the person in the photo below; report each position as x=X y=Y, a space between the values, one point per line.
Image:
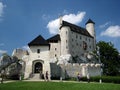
x=40 y=75
x=46 y=75
x=2 y=80
x=78 y=77
x=20 y=77
x=88 y=78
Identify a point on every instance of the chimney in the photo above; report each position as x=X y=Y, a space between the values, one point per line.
x=60 y=20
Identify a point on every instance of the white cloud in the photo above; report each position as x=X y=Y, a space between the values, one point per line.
x=1 y=8
x=3 y=51
x=104 y=25
x=112 y=31
x=53 y=25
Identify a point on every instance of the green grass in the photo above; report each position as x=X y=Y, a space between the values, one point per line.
x=58 y=86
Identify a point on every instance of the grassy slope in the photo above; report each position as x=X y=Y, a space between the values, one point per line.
x=58 y=86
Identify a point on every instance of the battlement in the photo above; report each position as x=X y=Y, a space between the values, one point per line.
x=72 y=69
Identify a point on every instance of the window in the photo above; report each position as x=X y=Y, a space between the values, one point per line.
x=77 y=44
x=55 y=49
x=72 y=39
x=90 y=47
x=80 y=45
x=80 y=37
x=38 y=50
x=66 y=47
x=76 y=36
x=66 y=32
x=84 y=45
x=66 y=41
x=55 y=55
x=89 y=39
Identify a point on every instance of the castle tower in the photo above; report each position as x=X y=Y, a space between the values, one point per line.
x=64 y=35
x=91 y=29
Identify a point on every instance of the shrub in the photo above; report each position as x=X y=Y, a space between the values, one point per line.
x=105 y=79
x=111 y=79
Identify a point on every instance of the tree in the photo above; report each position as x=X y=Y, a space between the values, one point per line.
x=109 y=57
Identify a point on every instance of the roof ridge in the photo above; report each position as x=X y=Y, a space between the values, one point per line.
x=76 y=28
x=39 y=40
x=55 y=37
x=74 y=25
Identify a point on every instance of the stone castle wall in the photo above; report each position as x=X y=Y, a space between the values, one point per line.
x=71 y=70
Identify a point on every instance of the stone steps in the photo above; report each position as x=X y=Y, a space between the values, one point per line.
x=35 y=77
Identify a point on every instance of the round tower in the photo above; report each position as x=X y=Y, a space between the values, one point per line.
x=91 y=29
x=64 y=35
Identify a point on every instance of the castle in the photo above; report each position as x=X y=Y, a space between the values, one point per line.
x=64 y=54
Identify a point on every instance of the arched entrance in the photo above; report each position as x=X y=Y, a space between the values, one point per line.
x=38 y=67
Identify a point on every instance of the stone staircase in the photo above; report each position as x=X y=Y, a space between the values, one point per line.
x=36 y=77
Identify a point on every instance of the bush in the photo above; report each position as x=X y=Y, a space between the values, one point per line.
x=105 y=79
x=111 y=79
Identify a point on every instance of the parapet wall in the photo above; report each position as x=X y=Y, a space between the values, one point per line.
x=71 y=70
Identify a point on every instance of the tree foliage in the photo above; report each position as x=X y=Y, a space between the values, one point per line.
x=110 y=58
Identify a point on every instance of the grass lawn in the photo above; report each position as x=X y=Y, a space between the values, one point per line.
x=58 y=86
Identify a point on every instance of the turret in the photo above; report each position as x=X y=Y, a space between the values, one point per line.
x=91 y=29
x=64 y=31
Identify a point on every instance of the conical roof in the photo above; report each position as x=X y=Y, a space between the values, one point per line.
x=89 y=21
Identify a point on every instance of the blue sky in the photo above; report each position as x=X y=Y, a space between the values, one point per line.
x=23 y=20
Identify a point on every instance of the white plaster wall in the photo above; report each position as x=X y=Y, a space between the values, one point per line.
x=73 y=69
x=64 y=34
x=42 y=56
x=92 y=69
x=55 y=50
x=90 y=28
x=76 y=44
x=28 y=69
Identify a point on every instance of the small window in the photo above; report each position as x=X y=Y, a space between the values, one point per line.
x=66 y=32
x=90 y=47
x=80 y=45
x=55 y=55
x=76 y=36
x=66 y=47
x=80 y=37
x=89 y=39
x=38 y=50
x=66 y=41
x=55 y=49
x=77 y=44
x=84 y=45
x=72 y=39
